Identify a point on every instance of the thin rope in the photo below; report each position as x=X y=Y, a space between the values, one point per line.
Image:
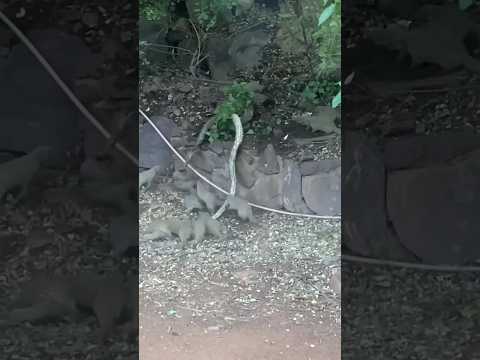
x=196 y=172
x=64 y=86
x=408 y=265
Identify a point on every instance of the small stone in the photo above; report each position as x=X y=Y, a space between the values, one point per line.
x=213 y=328
x=185 y=88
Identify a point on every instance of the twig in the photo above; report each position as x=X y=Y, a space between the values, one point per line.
x=196 y=56
x=168 y=47
x=207 y=80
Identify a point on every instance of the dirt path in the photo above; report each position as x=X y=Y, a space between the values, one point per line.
x=276 y=339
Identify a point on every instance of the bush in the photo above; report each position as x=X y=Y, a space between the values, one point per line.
x=238 y=99
x=154 y=9
x=325 y=87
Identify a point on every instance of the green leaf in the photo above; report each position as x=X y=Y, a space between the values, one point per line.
x=465 y=4
x=337 y=100
x=326 y=14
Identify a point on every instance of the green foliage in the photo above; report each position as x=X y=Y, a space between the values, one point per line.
x=337 y=99
x=238 y=99
x=327 y=38
x=465 y=4
x=211 y=13
x=154 y=9
x=324 y=88
x=208 y=13
x=320 y=91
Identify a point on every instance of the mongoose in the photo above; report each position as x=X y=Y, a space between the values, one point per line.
x=191 y=202
x=204 y=225
x=19 y=172
x=48 y=296
x=185 y=229
x=166 y=228
x=244 y=210
x=208 y=198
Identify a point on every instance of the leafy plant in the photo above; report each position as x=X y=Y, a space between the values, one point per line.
x=211 y=13
x=328 y=38
x=238 y=99
x=320 y=91
x=324 y=88
x=337 y=99
x=154 y=9
x=465 y=4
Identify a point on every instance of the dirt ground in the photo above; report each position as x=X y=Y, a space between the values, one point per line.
x=264 y=291
x=275 y=339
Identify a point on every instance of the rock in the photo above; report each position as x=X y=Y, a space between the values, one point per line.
x=292 y=189
x=268 y=163
x=241 y=52
x=244 y=6
x=322 y=192
x=223 y=16
x=149 y=30
x=313 y=167
x=289 y=41
x=400 y=124
x=184 y=88
x=267 y=191
x=209 y=95
x=220 y=71
x=153 y=84
x=363 y=187
x=219 y=60
x=216 y=148
x=153 y=150
x=206 y=161
x=50 y=117
x=322 y=119
x=438 y=220
x=421 y=151
x=309 y=168
x=247 y=47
